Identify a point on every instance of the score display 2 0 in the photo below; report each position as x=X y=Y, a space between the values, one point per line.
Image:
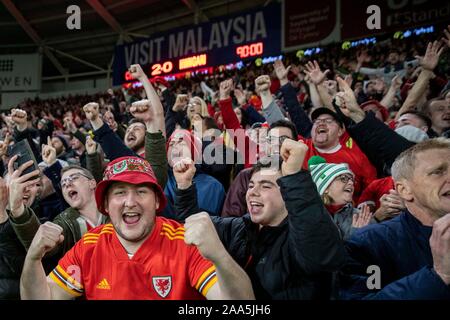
x=200 y=60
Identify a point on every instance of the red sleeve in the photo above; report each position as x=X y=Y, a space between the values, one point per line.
x=229 y=117
x=211 y=110
x=231 y=124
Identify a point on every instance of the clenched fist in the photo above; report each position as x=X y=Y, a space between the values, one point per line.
x=91 y=111
x=48 y=236
x=225 y=88
x=262 y=85
x=184 y=171
x=142 y=110
x=136 y=71
x=293 y=154
x=19 y=117
x=200 y=232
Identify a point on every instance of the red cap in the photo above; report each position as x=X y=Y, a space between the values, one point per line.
x=132 y=170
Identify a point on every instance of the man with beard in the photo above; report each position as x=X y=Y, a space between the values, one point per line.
x=328 y=136
x=145 y=136
x=133 y=256
x=135 y=137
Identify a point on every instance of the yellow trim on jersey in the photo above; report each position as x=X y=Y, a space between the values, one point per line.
x=89 y=237
x=205 y=275
x=172 y=233
x=209 y=285
x=63 y=286
x=68 y=278
x=172 y=228
x=90 y=242
x=88 y=234
x=177 y=237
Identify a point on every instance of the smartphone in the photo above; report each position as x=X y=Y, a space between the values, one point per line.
x=24 y=154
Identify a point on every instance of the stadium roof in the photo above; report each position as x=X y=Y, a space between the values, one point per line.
x=28 y=26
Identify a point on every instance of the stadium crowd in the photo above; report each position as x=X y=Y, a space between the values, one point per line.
x=276 y=181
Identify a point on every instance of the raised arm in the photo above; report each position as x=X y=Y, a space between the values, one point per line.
x=271 y=111
x=428 y=63
x=110 y=142
x=154 y=118
x=314 y=239
x=378 y=142
x=296 y=112
x=34 y=285
x=388 y=98
x=312 y=70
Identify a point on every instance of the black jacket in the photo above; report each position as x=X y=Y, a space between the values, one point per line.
x=293 y=260
x=12 y=256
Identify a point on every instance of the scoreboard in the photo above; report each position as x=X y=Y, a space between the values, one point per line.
x=222 y=41
x=197 y=61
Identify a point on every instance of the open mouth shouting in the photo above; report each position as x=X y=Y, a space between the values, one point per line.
x=255 y=207
x=131 y=218
x=72 y=195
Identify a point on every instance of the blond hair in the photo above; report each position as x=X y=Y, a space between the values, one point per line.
x=404 y=164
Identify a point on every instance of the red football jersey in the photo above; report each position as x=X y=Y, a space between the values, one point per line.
x=164 y=267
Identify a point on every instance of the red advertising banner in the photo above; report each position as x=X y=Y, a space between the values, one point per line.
x=395 y=15
x=308 y=21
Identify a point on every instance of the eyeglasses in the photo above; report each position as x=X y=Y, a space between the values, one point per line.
x=280 y=140
x=326 y=121
x=73 y=177
x=345 y=178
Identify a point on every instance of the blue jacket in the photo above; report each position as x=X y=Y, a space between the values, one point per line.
x=401 y=249
x=210 y=193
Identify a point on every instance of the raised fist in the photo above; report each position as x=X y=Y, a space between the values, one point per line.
x=48 y=236
x=225 y=88
x=91 y=111
x=19 y=117
x=262 y=84
x=142 y=110
x=184 y=171
x=293 y=154
x=200 y=232
x=136 y=71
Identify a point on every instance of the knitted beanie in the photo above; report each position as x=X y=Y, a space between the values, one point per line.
x=323 y=174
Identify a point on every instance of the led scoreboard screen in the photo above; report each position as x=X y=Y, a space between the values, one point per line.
x=222 y=41
x=197 y=61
